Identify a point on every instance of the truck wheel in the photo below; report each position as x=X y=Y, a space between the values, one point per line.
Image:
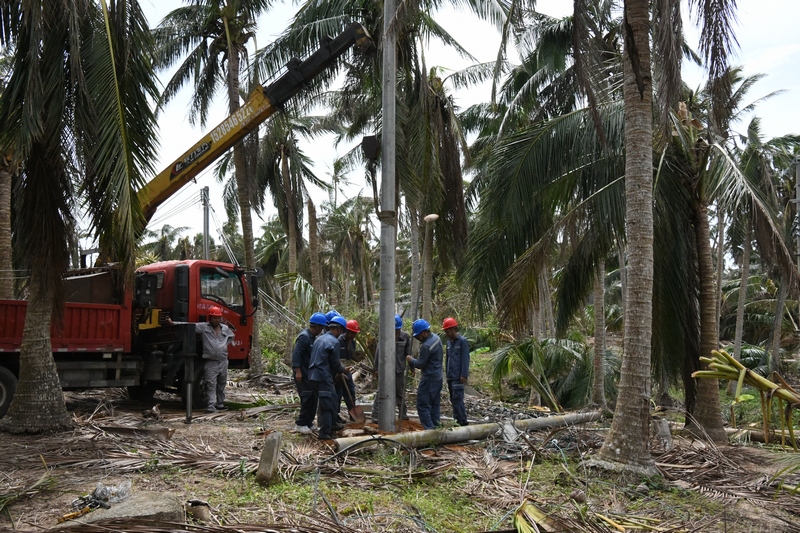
x=142 y=393
x=199 y=389
x=8 y=384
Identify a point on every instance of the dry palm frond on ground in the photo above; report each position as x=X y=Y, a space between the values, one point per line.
x=716 y=474
x=294 y=524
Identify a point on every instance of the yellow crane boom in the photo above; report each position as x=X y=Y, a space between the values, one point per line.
x=261 y=104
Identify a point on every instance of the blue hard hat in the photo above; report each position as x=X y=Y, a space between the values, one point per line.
x=419 y=326
x=398 y=322
x=330 y=314
x=318 y=319
x=339 y=321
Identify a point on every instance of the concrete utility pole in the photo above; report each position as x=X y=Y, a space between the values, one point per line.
x=797 y=219
x=388 y=216
x=204 y=198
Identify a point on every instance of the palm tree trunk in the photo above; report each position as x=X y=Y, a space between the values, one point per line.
x=777 y=327
x=737 y=341
x=313 y=248
x=720 y=262
x=707 y=411
x=623 y=273
x=38 y=403
x=243 y=195
x=364 y=272
x=626 y=443
x=346 y=283
x=598 y=382
x=541 y=313
x=414 y=263
x=291 y=232
x=6 y=265
x=427 y=281
x=547 y=302
x=368 y=286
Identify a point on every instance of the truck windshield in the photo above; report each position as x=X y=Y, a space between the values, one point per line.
x=225 y=289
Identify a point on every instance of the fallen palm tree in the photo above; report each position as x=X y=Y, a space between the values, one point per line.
x=433 y=437
x=723 y=366
x=751 y=435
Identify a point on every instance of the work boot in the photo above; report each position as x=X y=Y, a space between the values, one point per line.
x=337 y=426
x=305 y=430
x=211 y=409
x=221 y=407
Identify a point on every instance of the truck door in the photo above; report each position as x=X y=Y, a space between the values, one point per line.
x=223 y=288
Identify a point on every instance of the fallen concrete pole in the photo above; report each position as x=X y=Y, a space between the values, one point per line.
x=433 y=437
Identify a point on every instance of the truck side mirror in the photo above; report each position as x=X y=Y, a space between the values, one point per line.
x=254 y=290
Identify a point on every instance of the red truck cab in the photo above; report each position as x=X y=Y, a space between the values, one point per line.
x=186 y=290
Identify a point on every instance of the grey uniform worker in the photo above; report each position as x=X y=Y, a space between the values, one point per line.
x=402 y=347
x=216 y=338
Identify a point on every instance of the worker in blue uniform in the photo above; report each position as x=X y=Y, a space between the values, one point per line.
x=323 y=366
x=402 y=348
x=347 y=347
x=329 y=316
x=301 y=358
x=457 y=368
x=430 y=363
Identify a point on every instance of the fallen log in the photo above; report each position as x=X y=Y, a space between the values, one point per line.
x=775 y=437
x=433 y=437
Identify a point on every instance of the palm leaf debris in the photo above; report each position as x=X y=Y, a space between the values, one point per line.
x=536 y=515
x=44 y=483
x=706 y=469
x=723 y=366
x=296 y=523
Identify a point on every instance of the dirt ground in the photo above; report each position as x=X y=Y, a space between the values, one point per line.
x=481 y=483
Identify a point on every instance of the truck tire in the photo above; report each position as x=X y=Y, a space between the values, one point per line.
x=8 y=385
x=142 y=393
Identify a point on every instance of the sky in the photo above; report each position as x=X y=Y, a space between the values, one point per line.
x=768 y=44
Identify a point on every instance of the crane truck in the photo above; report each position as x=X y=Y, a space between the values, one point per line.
x=113 y=335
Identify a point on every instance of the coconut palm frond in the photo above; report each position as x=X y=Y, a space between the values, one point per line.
x=525 y=359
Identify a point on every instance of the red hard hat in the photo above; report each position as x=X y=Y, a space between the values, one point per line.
x=449 y=322
x=215 y=311
x=352 y=325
